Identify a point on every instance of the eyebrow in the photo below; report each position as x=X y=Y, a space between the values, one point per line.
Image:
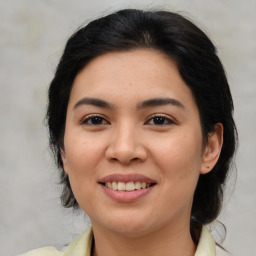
x=93 y=101
x=145 y=104
x=160 y=102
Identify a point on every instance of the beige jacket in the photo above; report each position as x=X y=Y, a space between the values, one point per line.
x=82 y=247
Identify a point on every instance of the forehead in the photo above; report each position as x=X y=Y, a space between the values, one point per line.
x=140 y=64
x=131 y=75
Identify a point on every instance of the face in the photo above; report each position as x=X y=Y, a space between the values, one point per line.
x=133 y=143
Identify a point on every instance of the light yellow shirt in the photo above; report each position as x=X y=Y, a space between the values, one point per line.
x=82 y=247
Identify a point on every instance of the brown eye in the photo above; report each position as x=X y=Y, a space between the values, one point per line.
x=160 y=120
x=94 y=120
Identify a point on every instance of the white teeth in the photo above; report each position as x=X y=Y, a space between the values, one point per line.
x=129 y=186
x=109 y=184
x=114 y=185
x=137 y=185
x=121 y=186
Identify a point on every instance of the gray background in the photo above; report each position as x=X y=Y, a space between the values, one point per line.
x=32 y=36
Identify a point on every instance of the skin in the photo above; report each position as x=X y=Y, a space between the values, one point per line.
x=126 y=137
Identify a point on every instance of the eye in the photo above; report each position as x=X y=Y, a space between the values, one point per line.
x=94 y=120
x=160 y=120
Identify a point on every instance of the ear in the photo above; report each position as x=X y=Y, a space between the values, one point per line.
x=212 y=149
x=64 y=161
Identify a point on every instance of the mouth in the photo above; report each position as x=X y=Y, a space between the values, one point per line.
x=126 y=188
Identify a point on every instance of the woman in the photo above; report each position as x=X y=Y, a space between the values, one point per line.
x=140 y=121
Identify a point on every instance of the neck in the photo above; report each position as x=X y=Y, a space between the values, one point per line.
x=164 y=242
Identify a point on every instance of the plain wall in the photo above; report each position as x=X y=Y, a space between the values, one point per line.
x=32 y=37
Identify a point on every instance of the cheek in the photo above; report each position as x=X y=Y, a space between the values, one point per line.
x=179 y=160
x=83 y=153
x=179 y=149
x=82 y=158
x=80 y=162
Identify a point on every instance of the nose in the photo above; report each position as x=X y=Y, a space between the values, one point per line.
x=126 y=145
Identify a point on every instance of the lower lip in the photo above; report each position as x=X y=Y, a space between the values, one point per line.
x=126 y=196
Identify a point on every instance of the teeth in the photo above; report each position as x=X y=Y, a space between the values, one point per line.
x=109 y=184
x=120 y=186
x=129 y=186
x=137 y=185
x=114 y=185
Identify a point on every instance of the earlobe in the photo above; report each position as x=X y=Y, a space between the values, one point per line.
x=212 y=149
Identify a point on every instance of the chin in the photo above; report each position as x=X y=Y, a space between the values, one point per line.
x=127 y=225
x=130 y=230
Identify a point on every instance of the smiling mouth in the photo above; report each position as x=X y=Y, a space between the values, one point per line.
x=127 y=186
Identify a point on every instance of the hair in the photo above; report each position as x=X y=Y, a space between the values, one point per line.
x=198 y=64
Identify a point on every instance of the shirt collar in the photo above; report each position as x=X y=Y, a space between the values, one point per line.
x=206 y=245
x=82 y=245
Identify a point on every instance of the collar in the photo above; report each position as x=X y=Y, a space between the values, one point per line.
x=206 y=245
x=82 y=245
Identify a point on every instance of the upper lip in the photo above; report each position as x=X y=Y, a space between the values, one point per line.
x=118 y=177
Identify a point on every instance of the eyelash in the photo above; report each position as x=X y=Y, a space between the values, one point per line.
x=167 y=120
x=89 y=118
x=102 y=121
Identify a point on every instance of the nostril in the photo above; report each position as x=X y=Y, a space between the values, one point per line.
x=125 y=153
x=124 y=161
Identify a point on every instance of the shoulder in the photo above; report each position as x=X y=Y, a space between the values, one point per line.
x=79 y=247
